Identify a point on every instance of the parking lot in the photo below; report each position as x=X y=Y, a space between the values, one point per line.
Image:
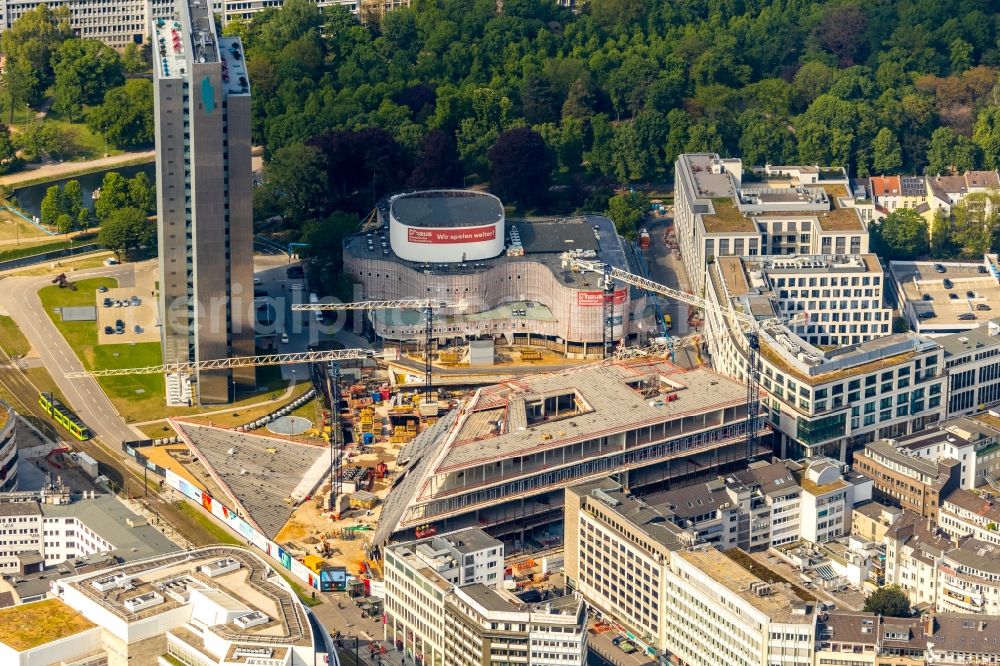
x=957 y=298
x=133 y=307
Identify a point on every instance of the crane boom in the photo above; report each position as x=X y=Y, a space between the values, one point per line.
x=401 y=304
x=656 y=287
x=234 y=362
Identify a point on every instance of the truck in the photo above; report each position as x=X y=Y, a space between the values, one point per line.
x=668 y=321
x=644 y=239
x=318 y=314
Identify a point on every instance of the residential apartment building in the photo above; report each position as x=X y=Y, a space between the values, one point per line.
x=903 y=479
x=720 y=211
x=946 y=191
x=972 y=441
x=952 y=575
x=964 y=513
x=204 y=204
x=892 y=192
x=766 y=505
x=444 y=607
x=39 y=530
x=503 y=457
x=846 y=638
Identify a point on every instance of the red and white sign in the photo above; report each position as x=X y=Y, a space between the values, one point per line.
x=459 y=235
x=588 y=299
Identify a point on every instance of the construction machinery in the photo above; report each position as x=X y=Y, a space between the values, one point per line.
x=747 y=324
x=427 y=305
x=327 y=356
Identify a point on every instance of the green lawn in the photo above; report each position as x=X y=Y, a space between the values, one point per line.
x=90 y=144
x=14 y=227
x=11 y=339
x=81 y=335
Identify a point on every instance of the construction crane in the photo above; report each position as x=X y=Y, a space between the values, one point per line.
x=748 y=324
x=427 y=305
x=333 y=355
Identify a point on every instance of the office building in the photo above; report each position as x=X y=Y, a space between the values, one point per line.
x=719 y=211
x=8 y=448
x=445 y=606
x=972 y=359
x=204 y=199
x=115 y=23
x=508 y=279
x=501 y=459
x=833 y=375
x=871 y=520
x=906 y=480
x=39 y=530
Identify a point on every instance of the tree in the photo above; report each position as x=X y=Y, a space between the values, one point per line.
x=438 y=164
x=902 y=235
x=296 y=176
x=65 y=223
x=976 y=222
x=762 y=139
x=126 y=116
x=28 y=46
x=948 y=152
x=53 y=205
x=84 y=70
x=887 y=156
x=942 y=233
x=134 y=60
x=324 y=238
x=9 y=160
x=986 y=135
x=72 y=196
x=20 y=81
x=521 y=167
x=579 y=101
x=142 y=193
x=889 y=601
x=113 y=196
x=491 y=115
x=626 y=211
x=126 y=229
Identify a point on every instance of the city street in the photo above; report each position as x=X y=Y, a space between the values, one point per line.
x=19 y=299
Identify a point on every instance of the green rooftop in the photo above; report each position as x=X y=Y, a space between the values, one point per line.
x=727 y=218
x=29 y=625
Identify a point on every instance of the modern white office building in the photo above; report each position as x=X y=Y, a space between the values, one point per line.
x=213 y=606
x=445 y=606
x=204 y=199
x=972 y=360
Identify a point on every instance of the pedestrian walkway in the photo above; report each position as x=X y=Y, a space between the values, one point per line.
x=64 y=168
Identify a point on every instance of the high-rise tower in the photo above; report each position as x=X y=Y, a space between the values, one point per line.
x=204 y=203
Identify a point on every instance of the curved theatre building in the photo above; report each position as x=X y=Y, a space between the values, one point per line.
x=506 y=278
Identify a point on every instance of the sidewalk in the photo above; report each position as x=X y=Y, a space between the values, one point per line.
x=63 y=168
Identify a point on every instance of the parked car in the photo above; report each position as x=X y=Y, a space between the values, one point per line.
x=137 y=329
x=948 y=284
x=119 y=327
x=108 y=302
x=970 y=294
x=284 y=338
x=966 y=316
x=108 y=330
x=926 y=315
x=982 y=306
x=102 y=289
x=953 y=296
x=257 y=282
x=940 y=268
x=927 y=297
x=136 y=301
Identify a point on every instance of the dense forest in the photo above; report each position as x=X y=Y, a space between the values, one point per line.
x=619 y=89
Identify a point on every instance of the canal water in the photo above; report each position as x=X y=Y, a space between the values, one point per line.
x=29 y=199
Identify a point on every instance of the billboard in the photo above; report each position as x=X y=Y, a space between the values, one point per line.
x=445 y=236
x=588 y=299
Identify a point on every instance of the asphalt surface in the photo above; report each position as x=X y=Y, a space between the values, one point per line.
x=19 y=298
x=666 y=267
